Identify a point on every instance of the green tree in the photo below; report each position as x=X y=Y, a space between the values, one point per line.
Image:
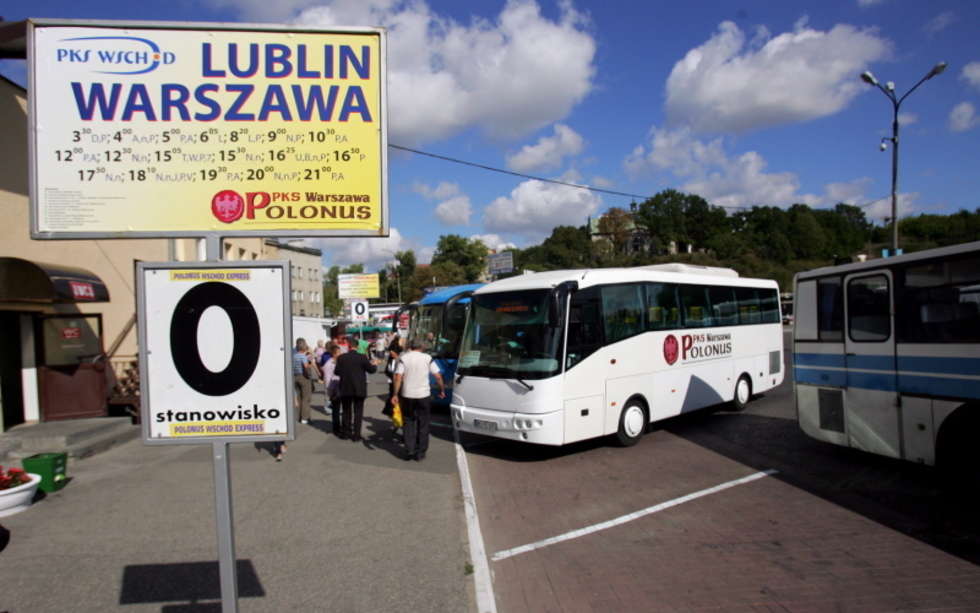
x=663 y=217
x=468 y=254
x=616 y=226
x=809 y=240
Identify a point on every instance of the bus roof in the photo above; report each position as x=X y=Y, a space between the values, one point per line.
x=587 y=277
x=898 y=259
x=441 y=296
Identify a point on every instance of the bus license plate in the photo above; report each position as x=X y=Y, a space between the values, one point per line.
x=490 y=426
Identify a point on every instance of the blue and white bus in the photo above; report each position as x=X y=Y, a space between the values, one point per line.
x=887 y=355
x=557 y=357
x=438 y=319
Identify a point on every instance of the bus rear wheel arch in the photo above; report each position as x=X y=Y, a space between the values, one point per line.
x=633 y=421
x=743 y=392
x=957 y=454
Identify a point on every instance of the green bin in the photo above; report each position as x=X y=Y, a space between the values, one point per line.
x=51 y=467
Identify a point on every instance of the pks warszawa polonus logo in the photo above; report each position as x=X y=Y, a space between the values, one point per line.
x=227 y=206
x=671 y=349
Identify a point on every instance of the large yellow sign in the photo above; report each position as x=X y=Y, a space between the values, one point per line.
x=179 y=131
x=358 y=286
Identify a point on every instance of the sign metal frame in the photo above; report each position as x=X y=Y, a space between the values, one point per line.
x=143 y=268
x=286 y=30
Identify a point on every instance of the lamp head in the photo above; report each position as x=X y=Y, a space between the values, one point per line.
x=937 y=69
x=869 y=78
x=890 y=86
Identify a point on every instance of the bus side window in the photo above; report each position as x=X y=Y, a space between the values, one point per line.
x=868 y=318
x=662 y=311
x=830 y=310
x=622 y=309
x=723 y=306
x=694 y=299
x=940 y=302
x=584 y=326
x=770 y=306
x=749 y=307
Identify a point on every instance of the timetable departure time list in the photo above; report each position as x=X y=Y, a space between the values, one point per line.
x=183 y=131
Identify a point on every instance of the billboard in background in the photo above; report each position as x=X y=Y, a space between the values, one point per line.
x=358 y=286
x=186 y=129
x=501 y=263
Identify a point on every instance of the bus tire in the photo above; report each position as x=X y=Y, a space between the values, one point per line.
x=743 y=392
x=632 y=424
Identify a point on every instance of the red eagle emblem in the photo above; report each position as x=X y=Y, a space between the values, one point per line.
x=671 y=349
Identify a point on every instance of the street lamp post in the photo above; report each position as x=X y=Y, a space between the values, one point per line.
x=889 y=90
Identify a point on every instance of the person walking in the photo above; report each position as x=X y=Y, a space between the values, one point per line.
x=304 y=371
x=412 y=387
x=352 y=370
x=330 y=383
x=393 y=352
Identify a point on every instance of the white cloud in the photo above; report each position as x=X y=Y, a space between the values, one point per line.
x=549 y=152
x=373 y=252
x=940 y=22
x=971 y=74
x=442 y=191
x=534 y=208
x=907 y=119
x=963 y=117
x=494 y=241
x=727 y=85
x=455 y=211
x=603 y=182
x=743 y=180
x=881 y=210
x=454 y=208
x=868 y=3
x=508 y=77
x=848 y=192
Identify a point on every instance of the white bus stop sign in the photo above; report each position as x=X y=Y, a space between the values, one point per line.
x=214 y=356
x=359 y=310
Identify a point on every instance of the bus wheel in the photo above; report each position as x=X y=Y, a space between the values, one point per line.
x=632 y=424
x=743 y=392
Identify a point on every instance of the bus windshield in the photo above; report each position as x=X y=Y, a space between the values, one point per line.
x=427 y=324
x=509 y=335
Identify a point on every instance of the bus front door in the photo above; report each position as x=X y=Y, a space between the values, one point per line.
x=871 y=396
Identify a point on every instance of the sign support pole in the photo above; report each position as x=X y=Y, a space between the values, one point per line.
x=226 y=528
x=224 y=518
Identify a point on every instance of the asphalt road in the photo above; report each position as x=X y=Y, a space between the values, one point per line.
x=824 y=528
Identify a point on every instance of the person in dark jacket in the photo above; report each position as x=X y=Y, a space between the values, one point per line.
x=352 y=369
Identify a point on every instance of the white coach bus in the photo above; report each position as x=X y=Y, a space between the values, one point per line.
x=562 y=356
x=887 y=355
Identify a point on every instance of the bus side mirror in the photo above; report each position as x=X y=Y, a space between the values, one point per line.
x=554 y=309
x=556 y=302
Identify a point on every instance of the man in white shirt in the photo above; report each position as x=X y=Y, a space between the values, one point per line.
x=412 y=389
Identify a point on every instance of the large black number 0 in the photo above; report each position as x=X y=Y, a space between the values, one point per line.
x=245 y=338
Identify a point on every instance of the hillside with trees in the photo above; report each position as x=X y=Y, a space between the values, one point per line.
x=672 y=226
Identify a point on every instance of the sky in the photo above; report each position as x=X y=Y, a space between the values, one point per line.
x=755 y=103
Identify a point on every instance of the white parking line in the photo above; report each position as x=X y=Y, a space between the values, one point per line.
x=507 y=553
x=485 y=601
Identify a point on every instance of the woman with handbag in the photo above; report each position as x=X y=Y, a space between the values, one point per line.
x=304 y=372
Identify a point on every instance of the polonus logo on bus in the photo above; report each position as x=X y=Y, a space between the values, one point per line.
x=697 y=346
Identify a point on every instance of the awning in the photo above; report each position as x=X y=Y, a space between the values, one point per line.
x=26 y=281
